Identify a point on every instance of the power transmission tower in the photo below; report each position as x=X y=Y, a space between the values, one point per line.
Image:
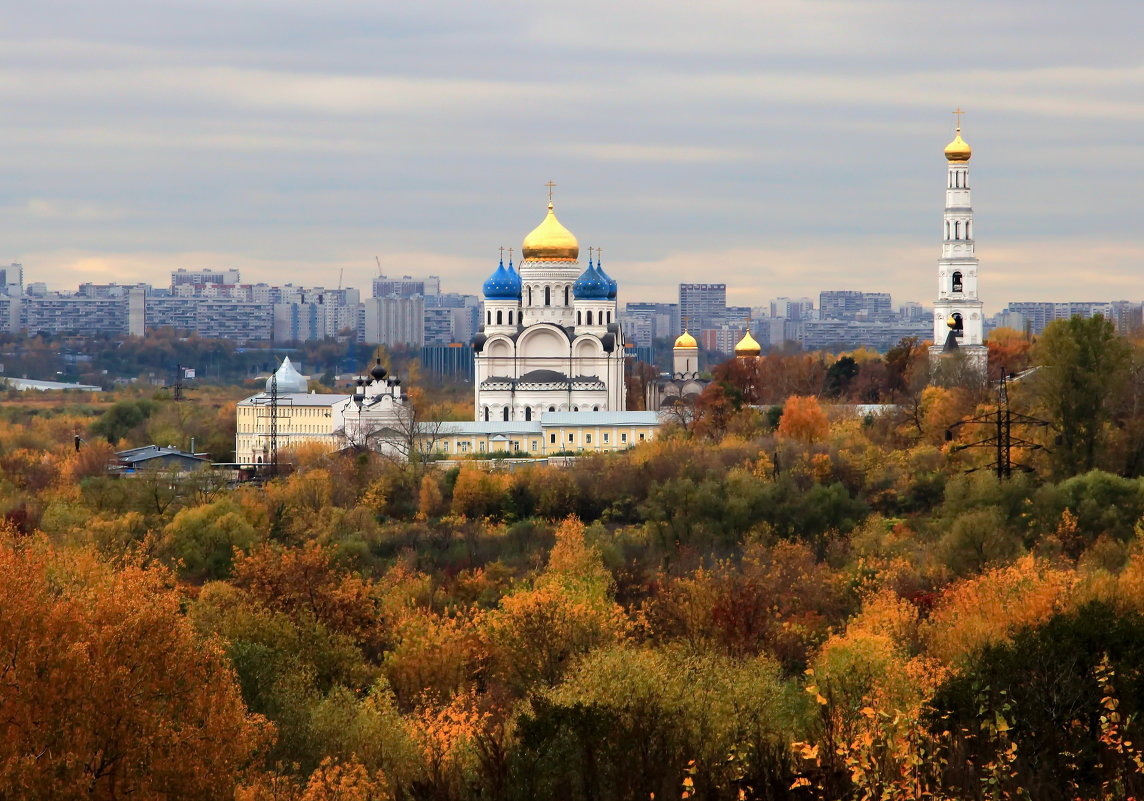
x=1001 y=421
x=274 y=424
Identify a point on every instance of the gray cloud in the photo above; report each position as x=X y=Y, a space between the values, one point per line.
x=785 y=147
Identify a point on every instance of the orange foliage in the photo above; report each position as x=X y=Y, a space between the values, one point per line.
x=446 y=735
x=803 y=419
x=1008 y=351
x=346 y=781
x=106 y=692
x=987 y=609
x=305 y=580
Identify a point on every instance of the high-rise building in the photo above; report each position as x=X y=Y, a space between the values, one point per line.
x=12 y=279
x=646 y=322
x=849 y=304
x=958 y=321
x=182 y=276
x=392 y=321
x=405 y=287
x=702 y=305
x=792 y=308
x=1036 y=316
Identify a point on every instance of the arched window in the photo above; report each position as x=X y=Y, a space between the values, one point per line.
x=595 y=408
x=589 y=318
x=486 y=414
x=547 y=296
x=579 y=317
x=967 y=234
x=551 y=408
x=947 y=229
x=510 y=318
x=506 y=413
x=490 y=316
x=956 y=287
x=957 y=229
x=500 y=317
x=530 y=296
x=566 y=289
x=575 y=408
x=527 y=412
x=609 y=318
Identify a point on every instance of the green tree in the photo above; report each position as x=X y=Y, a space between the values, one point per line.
x=118 y=421
x=839 y=376
x=1084 y=367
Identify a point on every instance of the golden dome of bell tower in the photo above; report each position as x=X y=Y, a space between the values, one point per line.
x=958 y=149
x=748 y=346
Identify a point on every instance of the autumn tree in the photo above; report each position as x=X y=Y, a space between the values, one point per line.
x=1009 y=351
x=107 y=693
x=803 y=419
x=536 y=632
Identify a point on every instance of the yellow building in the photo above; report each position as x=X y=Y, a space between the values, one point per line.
x=303 y=418
x=557 y=432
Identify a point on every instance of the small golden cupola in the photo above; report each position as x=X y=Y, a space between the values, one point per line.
x=551 y=241
x=958 y=149
x=685 y=341
x=747 y=346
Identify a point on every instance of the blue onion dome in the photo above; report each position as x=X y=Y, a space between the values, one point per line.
x=613 y=284
x=515 y=276
x=500 y=285
x=591 y=285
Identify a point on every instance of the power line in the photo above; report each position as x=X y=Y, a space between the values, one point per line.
x=1001 y=440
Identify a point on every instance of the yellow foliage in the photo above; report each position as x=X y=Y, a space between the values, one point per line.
x=886 y=614
x=535 y=634
x=436 y=655
x=429 y=500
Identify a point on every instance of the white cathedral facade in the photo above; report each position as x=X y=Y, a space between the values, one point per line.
x=550 y=338
x=958 y=323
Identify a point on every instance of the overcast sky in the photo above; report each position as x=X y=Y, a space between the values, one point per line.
x=780 y=146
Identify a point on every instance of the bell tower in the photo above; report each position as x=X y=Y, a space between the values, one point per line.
x=958 y=322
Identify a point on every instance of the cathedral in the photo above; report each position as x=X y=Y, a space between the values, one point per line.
x=958 y=323
x=550 y=337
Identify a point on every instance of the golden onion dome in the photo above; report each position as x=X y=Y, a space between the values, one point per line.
x=951 y=322
x=958 y=149
x=748 y=346
x=685 y=341
x=551 y=241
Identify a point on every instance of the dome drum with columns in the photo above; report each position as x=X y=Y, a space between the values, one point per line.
x=550 y=339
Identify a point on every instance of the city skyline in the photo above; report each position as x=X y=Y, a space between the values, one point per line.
x=784 y=150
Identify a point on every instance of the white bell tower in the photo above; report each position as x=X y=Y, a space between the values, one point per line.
x=958 y=323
